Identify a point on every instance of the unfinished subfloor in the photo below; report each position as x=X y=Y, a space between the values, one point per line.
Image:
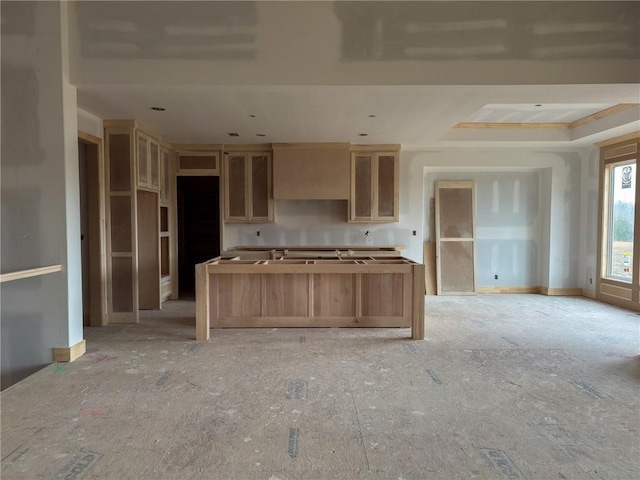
x=504 y=387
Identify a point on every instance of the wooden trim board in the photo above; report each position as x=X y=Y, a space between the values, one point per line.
x=568 y=292
x=417 y=303
x=197 y=147
x=315 y=146
x=323 y=248
x=620 y=139
x=549 y=125
x=203 y=298
x=621 y=107
x=88 y=138
x=69 y=354
x=32 y=272
x=512 y=126
x=508 y=290
x=386 y=147
x=429 y=260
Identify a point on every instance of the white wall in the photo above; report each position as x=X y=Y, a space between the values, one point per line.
x=40 y=211
x=89 y=123
x=508 y=223
x=589 y=220
x=546 y=231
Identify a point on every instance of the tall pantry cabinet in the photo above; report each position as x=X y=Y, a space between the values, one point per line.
x=138 y=167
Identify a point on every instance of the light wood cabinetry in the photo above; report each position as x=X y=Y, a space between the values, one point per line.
x=139 y=186
x=311 y=171
x=198 y=163
x=122 y=279
x=147 y=161
x=374 y=187
x=247 y=187
x=309 y=293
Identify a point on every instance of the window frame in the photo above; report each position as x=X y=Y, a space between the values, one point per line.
x=608 y=221
x=611 y=289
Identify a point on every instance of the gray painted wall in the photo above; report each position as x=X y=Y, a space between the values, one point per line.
x=39 y=188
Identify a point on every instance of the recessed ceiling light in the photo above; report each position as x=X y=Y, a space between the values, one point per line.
x=260 y=135
x=252 y=116
x=371 y=116
x=158 y=109
x=233 y=134
x=363 y=134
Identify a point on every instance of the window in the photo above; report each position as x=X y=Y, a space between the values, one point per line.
x=618 y=262
x=621 y=203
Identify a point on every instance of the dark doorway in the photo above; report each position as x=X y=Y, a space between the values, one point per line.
x=198 y=227
x=90 y=243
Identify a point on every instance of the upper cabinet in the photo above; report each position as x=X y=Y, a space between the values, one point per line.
x=147 y=162
x=247 y=187
x=374 y=187
x=198 y=162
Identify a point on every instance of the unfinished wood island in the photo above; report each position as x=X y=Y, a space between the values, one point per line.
x=310 y=292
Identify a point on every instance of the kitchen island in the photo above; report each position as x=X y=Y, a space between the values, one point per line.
x=310 y=292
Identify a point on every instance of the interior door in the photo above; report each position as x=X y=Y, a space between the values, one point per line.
x=455 y=237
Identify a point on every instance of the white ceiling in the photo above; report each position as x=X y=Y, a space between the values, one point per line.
x=316 y=71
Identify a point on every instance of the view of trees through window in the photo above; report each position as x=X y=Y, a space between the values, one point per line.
x=621 y=221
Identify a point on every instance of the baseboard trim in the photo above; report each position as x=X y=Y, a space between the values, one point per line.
x=69 y=354
x=521 y=290
x=566 y=292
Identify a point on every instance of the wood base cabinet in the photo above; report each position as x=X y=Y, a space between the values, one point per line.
x=309 y=293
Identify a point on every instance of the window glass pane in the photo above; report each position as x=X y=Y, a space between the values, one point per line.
x=622 y=198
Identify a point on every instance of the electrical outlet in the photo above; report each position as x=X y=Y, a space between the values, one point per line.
x=495 y=276
x=591 y=281
x=257 y=233
x=414 y=233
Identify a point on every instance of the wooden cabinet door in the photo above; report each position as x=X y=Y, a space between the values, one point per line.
x=455 y=237
x=142 y=159
x=386 y=191
x=154 y=165
x=362 y=185
x=374 y=187
x=260 y=191
x=122 y=277
x=248 y=196
x=236 y=191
